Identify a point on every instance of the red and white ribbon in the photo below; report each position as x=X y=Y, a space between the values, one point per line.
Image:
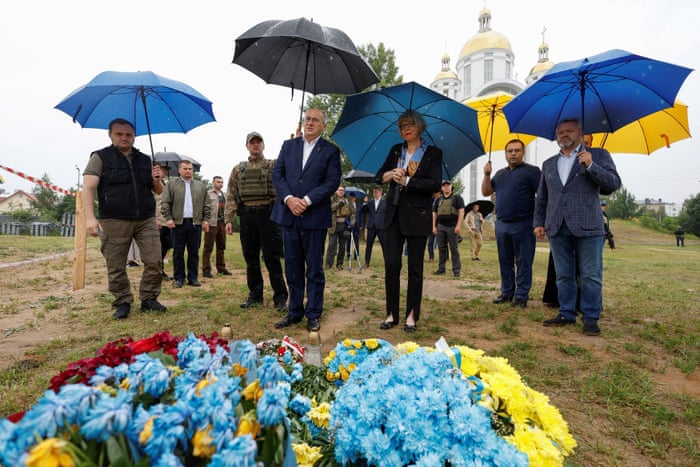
x=38 y=181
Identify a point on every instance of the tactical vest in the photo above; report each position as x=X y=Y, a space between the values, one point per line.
x=255 y=184
x=124 y=191
x=446 y=207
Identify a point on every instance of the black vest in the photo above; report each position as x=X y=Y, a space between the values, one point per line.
x=124 y=191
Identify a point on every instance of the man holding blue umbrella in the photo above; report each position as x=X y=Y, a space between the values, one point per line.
x=567 y=209
x=125 y=180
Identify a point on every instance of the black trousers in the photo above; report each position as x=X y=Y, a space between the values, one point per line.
x=186 y=236
x=393 y=254
x=259 y=233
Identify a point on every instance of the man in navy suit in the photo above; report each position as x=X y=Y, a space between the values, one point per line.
x=305 y=176
x=567 y=209
x=375 y=218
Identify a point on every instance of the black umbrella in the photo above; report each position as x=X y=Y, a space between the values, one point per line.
x=172 y=159
x=359 y=176
x=485 y=206
x=301 y=54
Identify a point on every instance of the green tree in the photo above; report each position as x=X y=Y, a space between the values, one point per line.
x=689 y=218
x=622 y=205
x=22 y=215
x=46 y=201
x=383 y=62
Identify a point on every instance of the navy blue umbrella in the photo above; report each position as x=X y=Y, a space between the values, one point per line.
x=154 y=104
x=358 y=193
x=367 y=128
x=605 y=92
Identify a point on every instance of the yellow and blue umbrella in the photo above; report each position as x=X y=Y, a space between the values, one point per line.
x=648 y=134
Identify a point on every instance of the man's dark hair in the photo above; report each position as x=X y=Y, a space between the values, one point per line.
x=121 y=121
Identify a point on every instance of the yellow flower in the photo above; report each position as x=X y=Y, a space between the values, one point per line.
x=320 y=414
x=352 y=352
x=329 y=358
x=407 y=347
x=372 y=344
x=239 y=370
x=347 y=342
x=50 y=453
x=125 y=384
x=253 y=391
x=202 y=443
x=305 y=454
x=344 y=373
x=248 y=424
x=203 y=384
x=147 y=431
x=357 y=344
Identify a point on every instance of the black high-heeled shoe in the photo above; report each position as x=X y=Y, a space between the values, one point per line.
x=387 y=325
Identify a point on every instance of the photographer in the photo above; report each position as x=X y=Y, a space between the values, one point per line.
x=344 y=214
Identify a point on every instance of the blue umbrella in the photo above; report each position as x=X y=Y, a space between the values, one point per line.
x=367 y=127
x=606 y=92
x=154 y=104
x=358 y=193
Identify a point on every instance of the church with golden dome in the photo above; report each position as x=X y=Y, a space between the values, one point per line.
x=485 y=66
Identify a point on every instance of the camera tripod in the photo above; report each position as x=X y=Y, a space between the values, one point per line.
x=353 y=252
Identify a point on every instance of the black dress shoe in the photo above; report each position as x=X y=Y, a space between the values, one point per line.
x=194 y=283
x=207 y=274
x=385 y=325
x=519 y=303
x=410 y=328
x=281 y=306
x=438 y=273
x=503 y=299
x=251 y=303
x=122 y=311
x=313 y=325
x=287 y=321
x=179 y=284
x=225 y=272
x=558 y=320
x=151 y=304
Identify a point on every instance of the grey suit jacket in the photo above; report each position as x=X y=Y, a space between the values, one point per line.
x=577 y=202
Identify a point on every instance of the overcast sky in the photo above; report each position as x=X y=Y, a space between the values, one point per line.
x=50 y=47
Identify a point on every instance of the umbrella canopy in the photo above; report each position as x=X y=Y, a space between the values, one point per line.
x=485 y=207
x=649 y=133
x=304 y=55
x=154 y=104
x=605 y=92
x=359 y=193
x=359 y=176
x=172 y=159
x=367 y=127
x=493 y=125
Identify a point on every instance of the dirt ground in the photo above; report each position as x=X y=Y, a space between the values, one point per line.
x=28 y=285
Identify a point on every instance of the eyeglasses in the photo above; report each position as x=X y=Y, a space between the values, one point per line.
x=312 y=120
x=405 y=125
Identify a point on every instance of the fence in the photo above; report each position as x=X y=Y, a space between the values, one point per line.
x=41 y=229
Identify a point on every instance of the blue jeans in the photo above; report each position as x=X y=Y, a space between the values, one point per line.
x=585 y=253
x=516 y=252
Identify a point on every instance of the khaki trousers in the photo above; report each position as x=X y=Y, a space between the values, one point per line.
x=116 y=239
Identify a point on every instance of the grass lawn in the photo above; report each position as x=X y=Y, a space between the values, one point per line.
x=630 y=396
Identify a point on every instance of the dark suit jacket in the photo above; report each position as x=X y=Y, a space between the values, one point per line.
x=577 y=202
x=375 y=217
x=318 y=180
x=413 y=203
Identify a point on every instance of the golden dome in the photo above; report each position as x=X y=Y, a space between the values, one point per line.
x=486 y=38
x=445 y=74
x=541 y=67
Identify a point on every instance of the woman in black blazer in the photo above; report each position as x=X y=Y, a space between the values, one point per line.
x=413 y=170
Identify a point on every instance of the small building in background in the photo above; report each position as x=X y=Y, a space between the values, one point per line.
x=17 y=200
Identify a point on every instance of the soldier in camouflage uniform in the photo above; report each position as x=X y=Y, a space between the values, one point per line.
x=250 y=195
